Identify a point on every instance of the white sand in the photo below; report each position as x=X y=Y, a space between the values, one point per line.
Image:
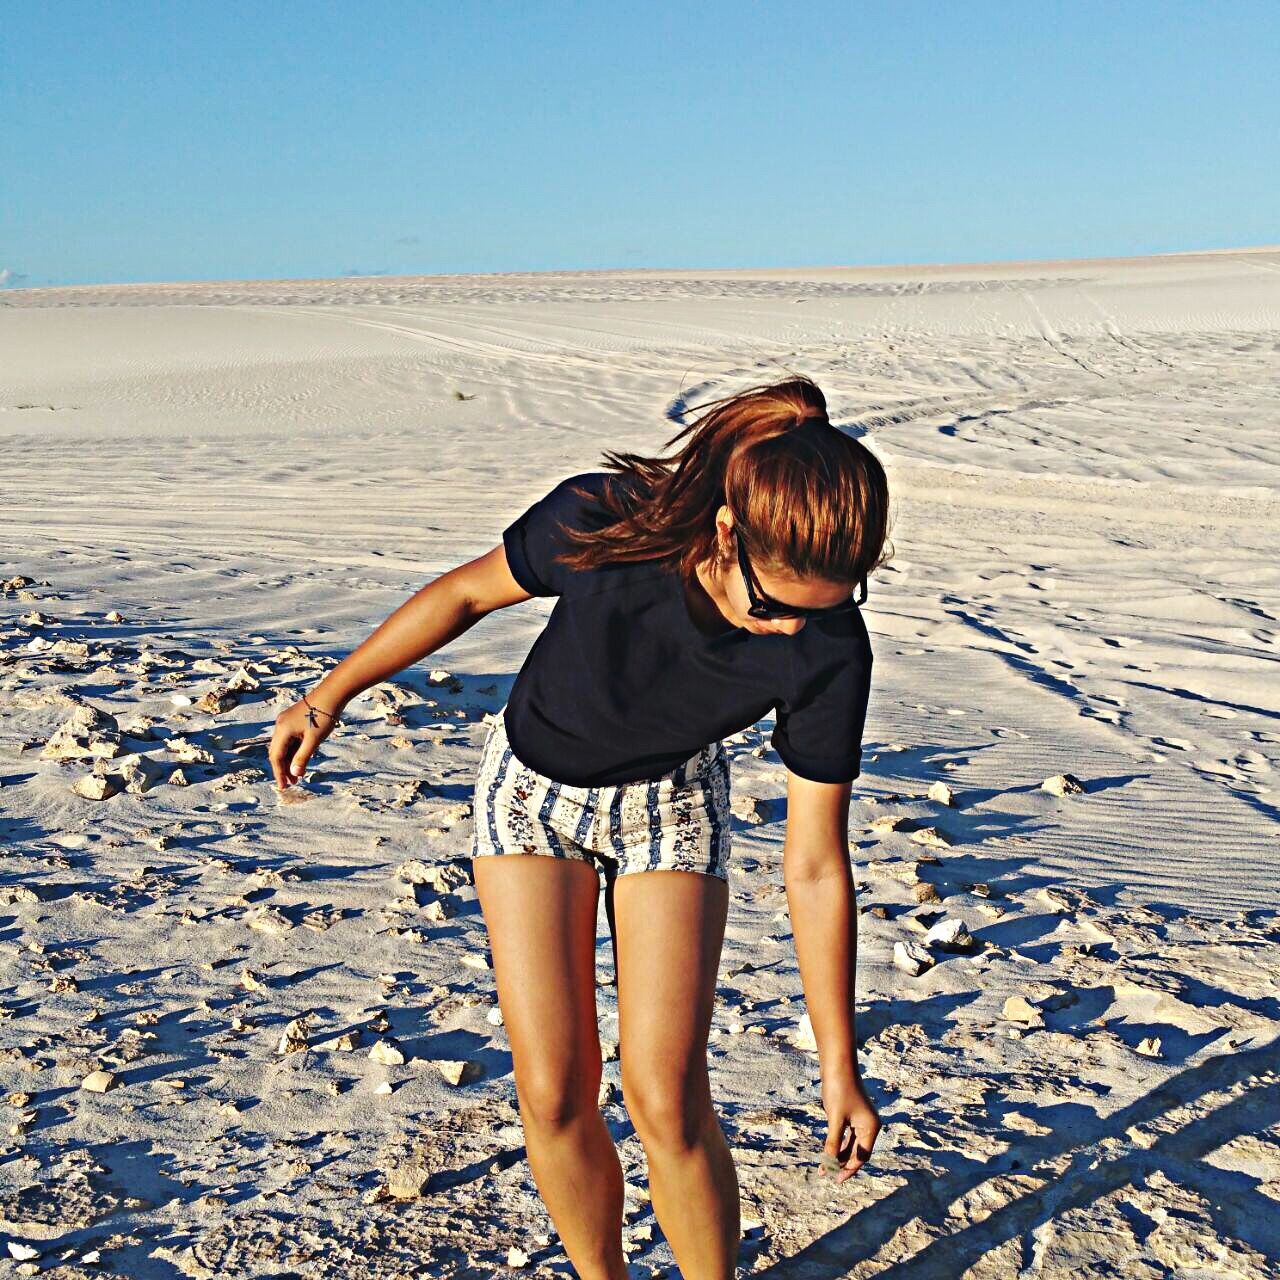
x=1084 y=464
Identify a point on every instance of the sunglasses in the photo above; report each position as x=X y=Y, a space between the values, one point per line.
x=765 y=606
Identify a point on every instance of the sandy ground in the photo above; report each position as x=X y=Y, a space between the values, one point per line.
x=212 y=492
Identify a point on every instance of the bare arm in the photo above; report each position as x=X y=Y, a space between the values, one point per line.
x=821 y=903
x=824 y=919
x=427 y=621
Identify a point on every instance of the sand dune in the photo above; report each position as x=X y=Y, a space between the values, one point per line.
x=225 y=485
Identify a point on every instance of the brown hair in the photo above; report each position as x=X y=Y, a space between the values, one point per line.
x=806 y=498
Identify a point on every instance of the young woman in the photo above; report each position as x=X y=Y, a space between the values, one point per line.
x=697 y=593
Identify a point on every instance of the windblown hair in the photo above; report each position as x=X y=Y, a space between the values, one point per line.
x=807 y=499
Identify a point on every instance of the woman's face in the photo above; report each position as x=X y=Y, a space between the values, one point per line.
x=813 y=593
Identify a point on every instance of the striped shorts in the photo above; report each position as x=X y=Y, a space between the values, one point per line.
x=677 y=822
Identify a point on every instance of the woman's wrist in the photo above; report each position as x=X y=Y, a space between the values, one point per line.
x=326 y=698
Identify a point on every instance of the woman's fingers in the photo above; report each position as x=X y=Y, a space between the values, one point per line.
x=298 y=763
x=283 y=746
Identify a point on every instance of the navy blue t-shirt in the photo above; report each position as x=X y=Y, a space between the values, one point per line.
x=623 y=684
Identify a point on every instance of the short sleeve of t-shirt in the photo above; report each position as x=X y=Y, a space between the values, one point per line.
x=818 y=727
x=534 y=538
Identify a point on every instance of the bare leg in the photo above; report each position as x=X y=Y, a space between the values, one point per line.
x=541 y=916
x=670 y=932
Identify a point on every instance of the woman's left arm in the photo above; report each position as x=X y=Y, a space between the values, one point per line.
x=822 y=904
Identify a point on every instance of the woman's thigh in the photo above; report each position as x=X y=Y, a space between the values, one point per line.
x=540 y=913
x=670 y=932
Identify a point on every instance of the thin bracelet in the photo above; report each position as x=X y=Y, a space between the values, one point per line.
x=311 y=712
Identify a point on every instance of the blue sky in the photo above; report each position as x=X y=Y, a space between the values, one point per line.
x=185 y=141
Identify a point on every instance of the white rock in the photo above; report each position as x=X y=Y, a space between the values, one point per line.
x=931 y=836
x=516 y=1257
x=1018 y=1009
x=188 y=752
x=87 y=732
x=269 y=920
x=803 y=1037
x=749 y=809
x=889 y=822
x=942 y=793
x=1062 y=784
x=1150 y=1047
x=459 y=1071
x=386 y=1053
x=949 y=934
x=407 y=1180
x=22 y=1252
x=294 y=1036
x=94 y=786
x=911 y=957
x=98 y=1081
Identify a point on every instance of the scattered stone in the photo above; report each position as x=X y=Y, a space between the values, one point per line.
x=890 y=822
x=750 y=809
x=87 y=732
x=386 y=1053
x=139 y=773
x=931 y=836
x=803 y=1037
x=911 y=958
x=294 y=1036
x=1018 y=1009
x=188 y=752
x=942 y=794
x=95 y=786
x=98 y=1081
x=949 y=934
x=406 y=1180
x=1063 y=784
x=1150 y=1047
x=461 y=1071
x=442 y=877
x=925 y=892
x=269 y=920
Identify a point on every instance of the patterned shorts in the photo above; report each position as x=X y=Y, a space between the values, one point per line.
x=678 y=822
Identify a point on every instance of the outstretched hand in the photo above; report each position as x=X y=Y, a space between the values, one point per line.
x=297 y=734
x=852 y=1126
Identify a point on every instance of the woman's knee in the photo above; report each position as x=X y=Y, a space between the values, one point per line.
x=670 y=1111
x=554 y=1096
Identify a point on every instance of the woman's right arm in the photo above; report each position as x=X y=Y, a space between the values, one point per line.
x=427 y=621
